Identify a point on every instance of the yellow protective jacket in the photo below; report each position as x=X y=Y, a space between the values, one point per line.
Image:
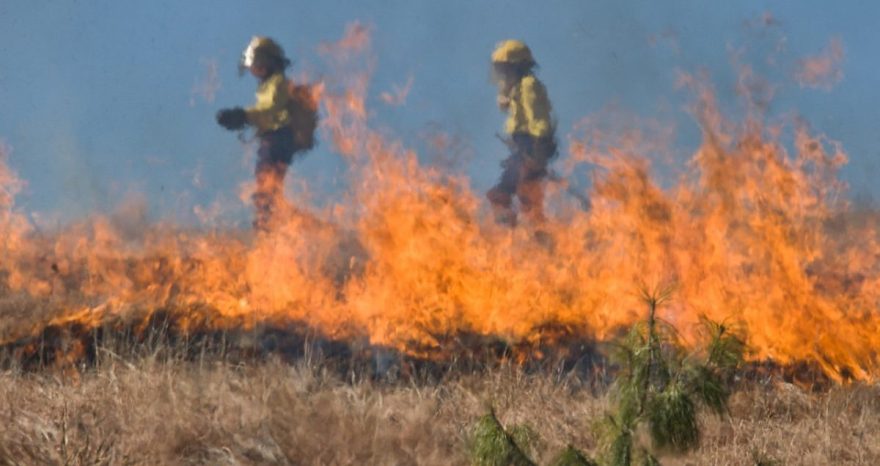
x=271 y=111
x=528 y=109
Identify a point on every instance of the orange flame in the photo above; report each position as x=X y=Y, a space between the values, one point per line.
x=754 y=231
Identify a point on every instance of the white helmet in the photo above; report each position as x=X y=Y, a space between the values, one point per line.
x=259 y=50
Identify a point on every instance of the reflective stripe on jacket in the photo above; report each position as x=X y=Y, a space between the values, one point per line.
x=271 y=110
x=529 y=109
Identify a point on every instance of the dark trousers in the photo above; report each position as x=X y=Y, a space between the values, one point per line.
x=523 y=177
x=273 y=157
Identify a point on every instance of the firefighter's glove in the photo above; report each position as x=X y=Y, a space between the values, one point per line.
x=232 y=118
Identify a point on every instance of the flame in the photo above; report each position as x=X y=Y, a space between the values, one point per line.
x=822 y=71
x=397 y=96
x=756 y=230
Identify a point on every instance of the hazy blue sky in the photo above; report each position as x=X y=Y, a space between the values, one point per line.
x=97 y=96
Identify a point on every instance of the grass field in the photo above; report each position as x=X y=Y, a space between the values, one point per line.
x=164 y=410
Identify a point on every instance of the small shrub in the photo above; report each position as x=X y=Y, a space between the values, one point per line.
x=571 y=456
x=660 y=386
x=525 y=438
x=494 y=446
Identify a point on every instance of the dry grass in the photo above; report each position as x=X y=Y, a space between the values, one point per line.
x=161 y=404
x=151 y=411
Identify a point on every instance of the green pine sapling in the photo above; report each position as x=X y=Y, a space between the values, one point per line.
x=660 y=386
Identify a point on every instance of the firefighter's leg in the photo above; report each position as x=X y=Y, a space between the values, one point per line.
x=533 y=175
x=267 y=196
x=530 y=192
x=501 y=195
x=520 y=173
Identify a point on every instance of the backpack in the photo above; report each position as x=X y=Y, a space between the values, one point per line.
x=303 y=111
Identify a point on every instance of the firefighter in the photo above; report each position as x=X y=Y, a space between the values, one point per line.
x=278 y=123
x=529 y=134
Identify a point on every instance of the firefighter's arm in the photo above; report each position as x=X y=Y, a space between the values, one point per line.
x=269 y=102
x=232 y=118
x=536 y=107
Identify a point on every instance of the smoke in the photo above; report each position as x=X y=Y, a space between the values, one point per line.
x=398 y=94
x=824 y=70
x=130 y=218
x=206 y=87
x=10 y=184
x=446 y=148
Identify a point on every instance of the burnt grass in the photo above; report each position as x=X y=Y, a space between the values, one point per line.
x=163 y=333
x=158 y=388
x=556 y=350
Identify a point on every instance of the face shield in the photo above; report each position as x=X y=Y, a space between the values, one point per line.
x=247 y=57
x=503 y=76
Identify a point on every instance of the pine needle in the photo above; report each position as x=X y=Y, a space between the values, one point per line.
x=493 y=446
x=571 y=456
x=672 y=418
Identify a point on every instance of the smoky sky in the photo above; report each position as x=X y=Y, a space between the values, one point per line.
x=102 y=100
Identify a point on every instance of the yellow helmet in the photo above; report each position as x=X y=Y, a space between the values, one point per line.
x=514 y=52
